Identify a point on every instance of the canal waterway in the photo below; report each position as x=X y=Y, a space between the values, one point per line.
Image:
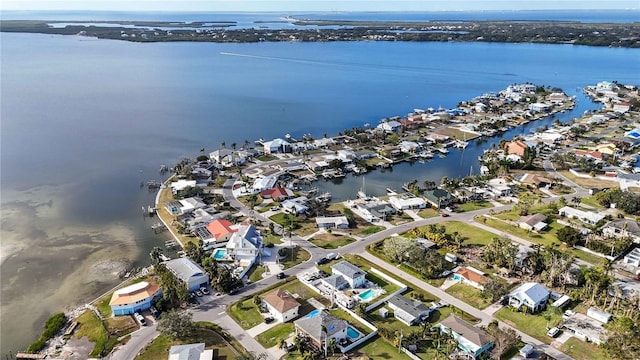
x=84 y=121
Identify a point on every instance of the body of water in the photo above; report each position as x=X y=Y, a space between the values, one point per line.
x=84 y=121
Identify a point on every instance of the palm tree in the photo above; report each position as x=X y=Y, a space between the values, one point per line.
x=323 y=330
x=223 y=144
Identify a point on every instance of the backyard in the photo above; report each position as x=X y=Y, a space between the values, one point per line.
x=469 y=294
x=273 y=336
x=532 y=324
x=581 y=350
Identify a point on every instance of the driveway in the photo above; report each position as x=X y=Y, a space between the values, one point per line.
x=262 y=327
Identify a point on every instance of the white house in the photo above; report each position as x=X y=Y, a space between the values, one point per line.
x=181 y=184
x=408 y=311
x=190 y=352
x=351 y=273
x=191 y=204
x=187 y=271
x=407 y=201
x=389 y=126
x=584 y=216
x=245 y=244
x=295 y=206
x=281 y=305
x=535 y=222
x=530 y=295
x=632 y=258
x=599 y=315
x=339 y=222
x=622 y=228
x=264 y=183
x=276 y=146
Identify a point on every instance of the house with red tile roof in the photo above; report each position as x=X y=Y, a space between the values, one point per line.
x=277 y=193
x=470 y=276
x=517 y=147
x=221 y=230
x=136 y=297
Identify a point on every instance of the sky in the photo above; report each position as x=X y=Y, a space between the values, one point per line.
x=313 y=5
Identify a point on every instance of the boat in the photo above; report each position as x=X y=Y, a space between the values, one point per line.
x=324 y=197
x=362 y=194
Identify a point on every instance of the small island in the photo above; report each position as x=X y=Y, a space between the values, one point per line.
x=546 y=32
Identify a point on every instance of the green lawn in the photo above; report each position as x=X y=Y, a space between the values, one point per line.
x=474 y=205
x=273 y=336
x=370 y=230
x=331 y=241
x=159 y=347
x=581 y=350
x=376 y=348
x=299 y=256
x=469 y=294
x=472 y=235
x=272 y=239
x=547 y=238
x=591 y=202
x=91 y=327
x=428 y=213
x=245 y=313
x=255 y=273
x=534 y=325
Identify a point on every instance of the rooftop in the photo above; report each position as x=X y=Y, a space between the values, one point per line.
x=133 y=293
x=347 y=269
x=281 y=300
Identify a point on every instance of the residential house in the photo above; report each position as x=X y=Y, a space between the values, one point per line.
x=292 y=166
x=264 y=183
x=277 y=194
x=592 y=155
x=624 y=290
x=295 y=206
x=189 y=205
x=228 y=158
x=539 y=107
x=390 y=126
x=584 y=327
x=351 y=273
x=535 y=180
x=190 y=352
x=338 y=222
x=245 y=245
x=607 y=148
x=536 y=222
x=409 y=147
x=500 y=187
x=597 y=314
x=181 y=184
x=408 y=311
x=136 y=297
x=622 y=228
x=281 y=305
x=532 y=296
x=622 y=107
x=473 y=341
x=517 y=147
x=375 y=211
x=276 y=146
x=407 y=201
x=187 y=271
x=438 y=197
x=584 y=216
x=321 y=326
x=471 y=276
x=346 y=156
x=632 y=258
x=220 y=230
x=335 y=282
x=628 y=180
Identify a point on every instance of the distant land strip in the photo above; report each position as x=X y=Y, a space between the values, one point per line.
x=625 y=35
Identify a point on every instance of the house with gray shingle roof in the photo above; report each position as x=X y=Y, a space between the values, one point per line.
x=471 y=340
x=408 y=311
x=351 y=273
x=314 y=324
x=622 y=228
x=336 y=282
x=187 y=271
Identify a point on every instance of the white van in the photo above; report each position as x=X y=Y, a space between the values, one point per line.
x=140 y=319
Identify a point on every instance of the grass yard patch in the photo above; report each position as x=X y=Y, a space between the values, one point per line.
x=370 y=230
x=255 y=273
x=532 y=324
x=376 y=348
x=581 y=350
x=331 y=241
x=273 y=336
x=245 y=313
x=472 y=235
x=295 y=256
x=428 y=213
x=474 y=205
x=93 y=328
x=468 y=294
x=589 y=183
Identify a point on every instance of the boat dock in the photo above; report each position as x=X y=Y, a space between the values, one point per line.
x=158 y=227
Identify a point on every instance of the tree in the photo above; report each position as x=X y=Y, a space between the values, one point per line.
x=177 y=324
x=550 y=313
x=622 y=339
x=494 y=290
x=503 y=339
x=569 y=235
x=396 y=247
x=257 y=300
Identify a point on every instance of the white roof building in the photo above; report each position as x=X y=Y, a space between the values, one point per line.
x=181 y=185
x=190 y=352
x=584 y=216
x=189 y=272
x=407 y=201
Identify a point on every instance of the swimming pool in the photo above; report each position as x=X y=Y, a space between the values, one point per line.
x=352 y=333
x=367 y=295
x=314 y=313
x=219 y=254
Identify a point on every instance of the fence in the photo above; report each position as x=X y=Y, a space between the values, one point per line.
x=402 y=289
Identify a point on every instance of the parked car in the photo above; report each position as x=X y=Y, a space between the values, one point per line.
x=205 y=291
x=444 y=215
x=322 y=261
x=281 y=275
x=275 y=208
x=140 y=319
x=332 y=256
x=553 y=332
x=268 y=320
x=154 y=312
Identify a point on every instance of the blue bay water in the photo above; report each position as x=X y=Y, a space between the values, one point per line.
x=85 y=120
